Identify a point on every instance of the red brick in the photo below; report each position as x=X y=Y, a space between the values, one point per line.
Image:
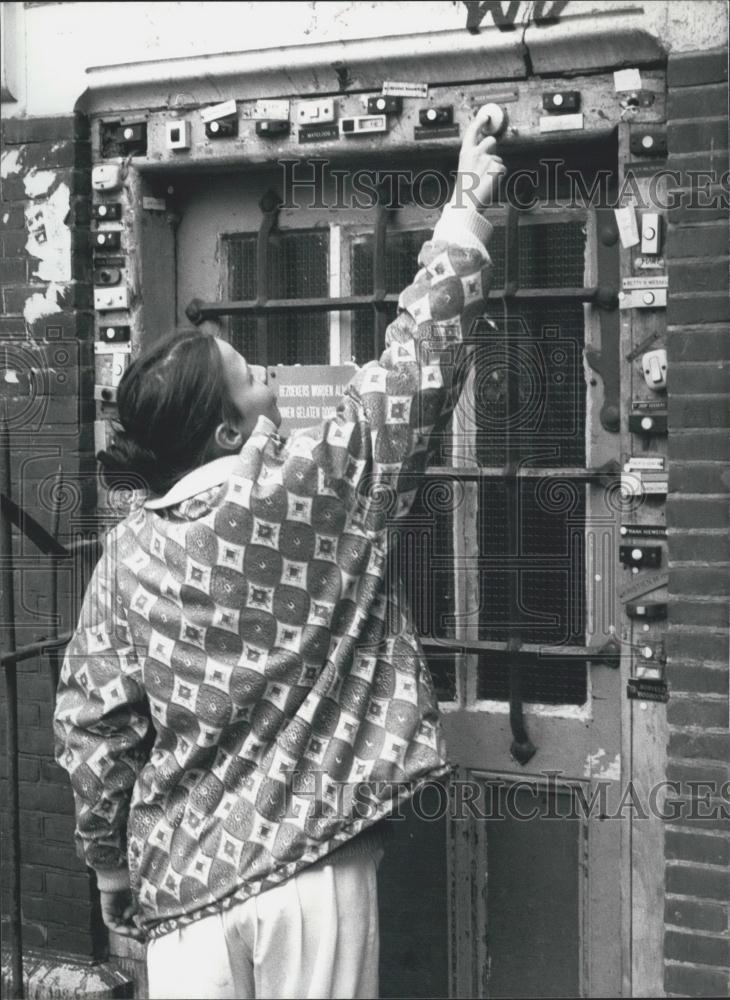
x=716 y=160
x=700 y=847
x=713 y=614
x=11 y=328
x=697 y=241
x=701 y=204
x=709 y=100
x=697 y=276
x=697 y=948
x=690 y=546
x=79 y=183
x=702 y=646
x=686 y=771
x=688 y=69
x=13 y=188
x=13 y=243
x=81 y=215
x=693 y=308
x=67 y=885
x=12 y=217
x=34 y=936
x=30 y=827
x=17 y=131
x=63 y=327
x=707 y=746
x=698 y=477
x=699 y=134
x=14 y=299
x=31 y=880
x=57 y=155
x=60 y=828
x=701 y=410
x=694 y=981
x=13 y=271
x=78 y=941
x=686 y=512
x=46 y=797
x=691 y=880
x=40 y=852
x=29 y=822
x=82 y=268
x=706 y=377
x=698 y=343
x=708 y=714
x=36 y=741
x=54 y=774
x=700 y=916
x=48 y=910
x=695 y=814
x=28 y=714
x=28 y=768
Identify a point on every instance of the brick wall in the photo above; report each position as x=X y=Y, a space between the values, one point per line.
x=697 y=850
x=46 y=382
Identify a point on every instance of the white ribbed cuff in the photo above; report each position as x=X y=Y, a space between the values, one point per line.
x=464 y=226
x=112 y=879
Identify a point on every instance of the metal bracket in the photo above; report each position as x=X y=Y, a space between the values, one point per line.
x=606 y=360
x=609 y=654
x=379 y=304
x=269 y=205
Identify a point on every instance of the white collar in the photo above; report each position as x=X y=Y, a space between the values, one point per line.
x=206 y=476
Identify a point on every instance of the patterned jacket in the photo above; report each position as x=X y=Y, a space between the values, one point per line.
x=235 y=703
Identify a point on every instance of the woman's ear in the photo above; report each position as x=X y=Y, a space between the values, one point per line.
x=228 y=437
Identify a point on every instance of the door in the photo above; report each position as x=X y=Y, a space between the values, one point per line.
x=511 y=887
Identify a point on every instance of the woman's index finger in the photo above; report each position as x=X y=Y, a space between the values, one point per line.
x=475 y=126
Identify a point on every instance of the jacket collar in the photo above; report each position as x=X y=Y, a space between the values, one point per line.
x=207 y=476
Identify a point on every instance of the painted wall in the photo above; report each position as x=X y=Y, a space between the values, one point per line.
x=49 y=46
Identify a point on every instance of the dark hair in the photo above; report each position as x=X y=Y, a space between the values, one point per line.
x=170 y=401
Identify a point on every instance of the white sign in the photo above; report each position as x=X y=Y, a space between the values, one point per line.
x=308 y=394
x=393 y=89
x=626 y=79
x=277 y=111
x=224 y=110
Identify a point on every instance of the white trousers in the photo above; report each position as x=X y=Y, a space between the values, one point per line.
x=315 y=935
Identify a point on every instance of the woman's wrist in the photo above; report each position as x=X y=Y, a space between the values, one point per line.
x=460 y=223
x=112 y=879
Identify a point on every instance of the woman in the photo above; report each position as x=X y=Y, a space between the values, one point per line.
x=234 y=712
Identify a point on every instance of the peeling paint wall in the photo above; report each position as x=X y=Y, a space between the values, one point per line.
x=56 y=43
x=48 y=232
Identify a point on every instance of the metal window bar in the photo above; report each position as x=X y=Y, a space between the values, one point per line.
x=378 y=301
x=522 y=747
x=605 y=297
x=12 y=515
x=198 y=311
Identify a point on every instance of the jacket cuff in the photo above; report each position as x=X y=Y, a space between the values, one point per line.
x=464 y=226
x=112 y=879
